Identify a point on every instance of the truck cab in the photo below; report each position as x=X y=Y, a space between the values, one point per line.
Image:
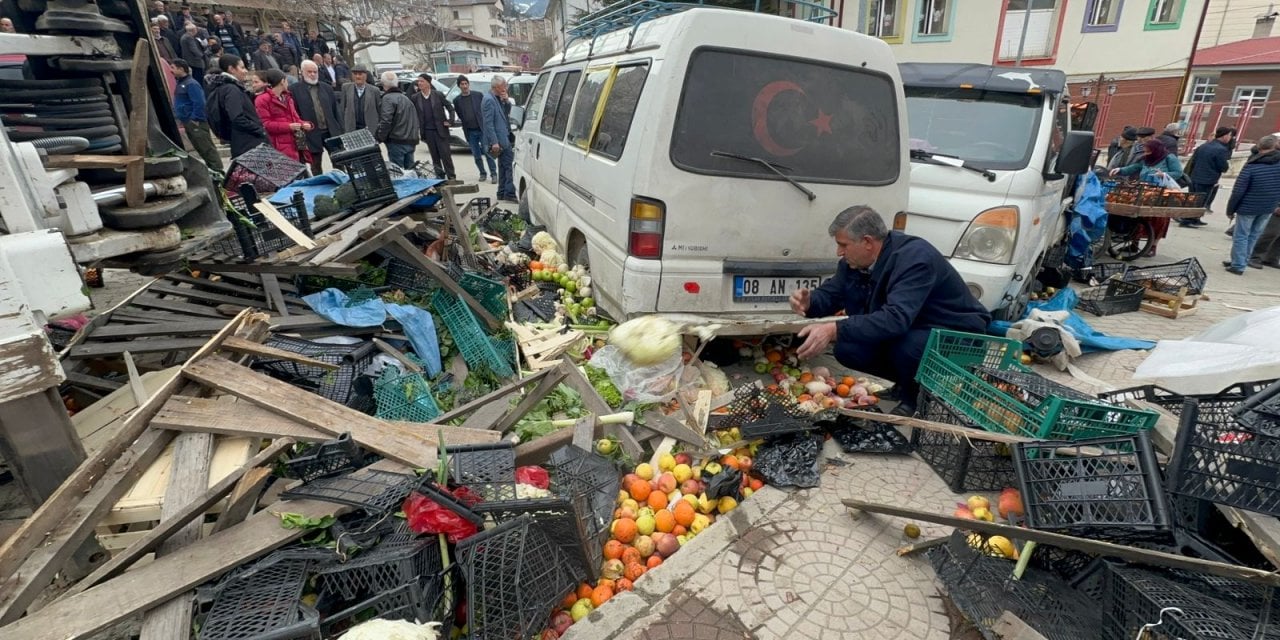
x=993 y=161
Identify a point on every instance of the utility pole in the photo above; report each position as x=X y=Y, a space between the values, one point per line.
x=1022 y=41
x=1191 y=58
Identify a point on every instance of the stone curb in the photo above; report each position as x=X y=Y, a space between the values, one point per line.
x=624 y=609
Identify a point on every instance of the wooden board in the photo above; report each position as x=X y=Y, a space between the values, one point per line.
x=311 y=410
x=249 y=347
x=99 y=422
x=145 y=498
x=139 y=113
x=282 y=223
x=162 y=345
x=96 y=609
x=190 y=328
x=407 y=252
x=89 y=161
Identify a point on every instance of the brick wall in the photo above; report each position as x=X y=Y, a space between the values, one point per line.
x=1143 y=102
x=1268 y=121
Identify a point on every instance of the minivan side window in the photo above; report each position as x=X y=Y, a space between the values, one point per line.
x=619 y=108
x=534 y=106
x=566 y=101
x=553 y=103
x=586 y=105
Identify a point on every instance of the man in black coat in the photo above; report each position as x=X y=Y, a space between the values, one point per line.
x=318 y=105
x=895 y=289
x=193 y=50
x=230 y=109
x=1207 y=164
x=434 y=115
x=468 y=106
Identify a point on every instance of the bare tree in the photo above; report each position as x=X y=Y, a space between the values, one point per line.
x=360 y=24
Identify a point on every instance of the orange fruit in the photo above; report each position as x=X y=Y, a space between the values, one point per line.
x=600 y=595
x=653 y=562
x=773 y=357
x=848 y=381
x=757 y=484
x=804 y=397
x=624 y=585
x=842 y=390
x=684 y=513
x=631 y=555
x=664 y=521
x=584 y=591
x=534 y=265
x=634 y=571
x=730 y=461
x=679 y=530
x=658 y=501
x=806 y=378
x=613 y=550
x=640 y=490
x=569 y=600
x=605 y=582
x=624 y=530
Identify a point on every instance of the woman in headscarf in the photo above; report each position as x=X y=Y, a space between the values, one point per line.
x=280 y=117
x=1154 y=166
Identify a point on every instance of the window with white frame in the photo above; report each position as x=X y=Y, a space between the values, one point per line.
x=1164 y=11
x=1041 y=17
x=1102 y=13
x=934 y=17
x=1203 y=89
x=1254 y=99
x=884 y=18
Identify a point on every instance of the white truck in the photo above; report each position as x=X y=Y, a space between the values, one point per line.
x=993 y=162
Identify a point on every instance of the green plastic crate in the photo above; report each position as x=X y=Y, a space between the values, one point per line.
x=946 y=371
x=477 y=348
x=491 y=294
x=404 y=397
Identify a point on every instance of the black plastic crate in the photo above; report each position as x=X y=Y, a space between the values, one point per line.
x=1214 y=407
x=577 y=472
x=1226 y=463
x=964 y=464
x=514 y=576
x=1135 y=596
x=487 y=469
x=568 y=522
x=337 y=385
x=1113 y=297
x=375 y=491
x=760 y=413
x=1028 y=387
x=1262 y=409
x=352 y=141
x=406 y=277
x=1099 y=488
x=401 y=558
x=264 y=602
x=1170 y=278
x=401 y=603
x=259 y=237
x=981 y=588
x=326 y=459
x=1099 y=272
x=369 y=176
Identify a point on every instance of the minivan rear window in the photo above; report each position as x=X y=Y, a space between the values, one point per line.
x=814 y=121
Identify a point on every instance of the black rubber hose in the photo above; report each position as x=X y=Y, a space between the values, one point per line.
x=60 y=83
x=61 y=145
x=46 y=94
x=86 y=132
x=41 y=110
x=38 y=121
x=99 y=143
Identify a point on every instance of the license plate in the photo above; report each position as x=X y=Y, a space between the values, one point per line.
x=771 y=288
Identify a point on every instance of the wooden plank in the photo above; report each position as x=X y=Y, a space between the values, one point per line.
x=152 y=302
x=136 y=387
x=189 y=511
x=282 y=223
x=928 y=425
x=330 y=269
x=672 y=428
x=101 y=349
x=377 y=241
x=409 y=253
x=313 y=411
x=224 y=286
x=409 y=365
x=249 y=347
x=1098 y=547
x=89 y=161
x=343 y=242
x=584 y=433
x=461 y=229
x=93 y=382
x=99 y=422
x=243 y=498
x=53 y=511
x=139 y=111
x=1010 y=627
x=1263 y=530
x=189 y=328
x=491 y=397
x=192 y=294
x=595 y=404
x=272 y=285
x=39 y=567
x=98 y=608
x=545 y=386
x=378 y=214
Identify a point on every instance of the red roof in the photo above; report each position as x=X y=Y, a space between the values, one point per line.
x=1253 y=52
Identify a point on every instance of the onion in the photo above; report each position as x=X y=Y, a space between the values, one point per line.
x=858 y=390
x=821 y=372
x=816 y=387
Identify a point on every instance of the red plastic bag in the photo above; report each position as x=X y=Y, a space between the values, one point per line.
x=536 y=476
x=427 y=516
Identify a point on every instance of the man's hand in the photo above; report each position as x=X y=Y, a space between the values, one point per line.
x=817 y=337
x=800 y=302
x=495 y=149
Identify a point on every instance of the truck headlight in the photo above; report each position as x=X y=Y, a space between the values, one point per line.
x=991 y=237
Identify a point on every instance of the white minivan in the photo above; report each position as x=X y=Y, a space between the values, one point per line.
x=695 y=160
x=993 y=160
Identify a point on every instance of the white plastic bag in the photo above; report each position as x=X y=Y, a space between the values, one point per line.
x=1239 y=349
x=657 y=383
x=1170 y=183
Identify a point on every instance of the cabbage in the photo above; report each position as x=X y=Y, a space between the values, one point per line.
x=543 y=242
x=646 y=341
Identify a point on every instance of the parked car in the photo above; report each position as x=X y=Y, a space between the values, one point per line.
x=518 y=88
x=702 y=182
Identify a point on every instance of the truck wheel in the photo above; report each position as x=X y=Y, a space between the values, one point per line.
x=578 y=251
x=153 y=213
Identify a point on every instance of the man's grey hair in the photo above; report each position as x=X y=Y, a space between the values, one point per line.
x=1267 y=143
x=190 y=27
x=1173 y=127
x=858 y=221
x=307 y=64
x=389 y=79
x=498 y=81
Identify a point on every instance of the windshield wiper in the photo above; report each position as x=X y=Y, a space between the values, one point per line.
x=937 y=158
x=776 y=168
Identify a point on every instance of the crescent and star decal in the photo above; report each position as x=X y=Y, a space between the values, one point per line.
x=760 y=117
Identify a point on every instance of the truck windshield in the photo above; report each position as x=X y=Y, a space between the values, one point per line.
x=983 y=128
x=812 y=120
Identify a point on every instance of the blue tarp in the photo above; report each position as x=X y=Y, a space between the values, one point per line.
x=1088 y=222
x=1090 y=339
x=326 y=183
x=332 y=305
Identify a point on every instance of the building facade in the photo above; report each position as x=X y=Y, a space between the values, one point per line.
x=1129 y=56
x=1236 y=85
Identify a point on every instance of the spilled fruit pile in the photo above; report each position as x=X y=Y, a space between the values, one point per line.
x=660 y=507
x=813 y=388
x=1008 y=506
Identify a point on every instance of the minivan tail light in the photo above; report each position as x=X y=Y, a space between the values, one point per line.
x=900 y=221
x=648 y=220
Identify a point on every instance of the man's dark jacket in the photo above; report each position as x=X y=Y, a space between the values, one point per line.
x=468 y=109
x=1209 y=162
x=431 y=113
x=307 y=109
x=232 y=115
x=910 y=286
x=1257 y=188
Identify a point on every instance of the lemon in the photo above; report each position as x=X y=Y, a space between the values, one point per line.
x=645 y=471
x=682 y=472
x=911 y=531
x=667 y=462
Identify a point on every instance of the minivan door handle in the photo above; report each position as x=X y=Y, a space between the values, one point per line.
x=537 y=151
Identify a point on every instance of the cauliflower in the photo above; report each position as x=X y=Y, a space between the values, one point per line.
x=552 y=258
x=526 y=491
x=393 y=630
x=543 y=242
x=647 y=340
x=716 y=381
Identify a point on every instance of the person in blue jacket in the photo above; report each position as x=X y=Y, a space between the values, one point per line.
x=496 y=135
x=1254 y=199
x=894 y=289
x=1208 y=163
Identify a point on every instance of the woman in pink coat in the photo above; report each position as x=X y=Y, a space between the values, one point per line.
x=279 y=116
